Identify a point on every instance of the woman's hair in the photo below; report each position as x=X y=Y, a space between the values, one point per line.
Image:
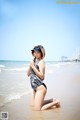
x=41 y=49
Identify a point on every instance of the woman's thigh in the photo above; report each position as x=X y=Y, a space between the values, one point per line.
x=39 y=97
x=33 y=94
x=33 y=97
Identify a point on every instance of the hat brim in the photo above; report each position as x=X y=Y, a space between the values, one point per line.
x=32 y=51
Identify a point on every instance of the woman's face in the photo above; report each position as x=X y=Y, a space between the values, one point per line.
x=34 y=54
x=37 y=54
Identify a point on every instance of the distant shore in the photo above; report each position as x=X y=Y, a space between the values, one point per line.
x=67 y=60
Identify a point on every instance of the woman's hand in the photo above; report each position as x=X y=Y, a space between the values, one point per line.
x=32 y=64
x=41 y=72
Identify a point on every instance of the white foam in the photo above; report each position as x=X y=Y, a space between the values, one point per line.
x=17 y=96
x=2 y=66
x=11 y=97
x=15 y=69
x=0 y=70
x=14 y=96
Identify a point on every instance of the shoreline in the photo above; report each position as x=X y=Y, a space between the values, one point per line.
x=18 y=98
x=20 y=109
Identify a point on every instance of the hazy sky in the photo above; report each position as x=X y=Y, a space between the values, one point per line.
x=26 y=23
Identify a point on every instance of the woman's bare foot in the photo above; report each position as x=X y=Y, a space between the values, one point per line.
x=57 y=103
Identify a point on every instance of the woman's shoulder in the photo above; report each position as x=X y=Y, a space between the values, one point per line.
x=42 y=62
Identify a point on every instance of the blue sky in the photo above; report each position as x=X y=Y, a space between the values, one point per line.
x=26 y=23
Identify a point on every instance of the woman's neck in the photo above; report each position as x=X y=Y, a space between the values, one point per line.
x=39 y=59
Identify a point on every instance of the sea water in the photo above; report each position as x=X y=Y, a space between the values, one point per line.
x=14 y=82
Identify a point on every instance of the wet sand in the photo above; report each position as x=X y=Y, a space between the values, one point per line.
x=63 y=84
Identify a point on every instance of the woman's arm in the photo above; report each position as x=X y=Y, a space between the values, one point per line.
x=28 y=71
x=41 y=71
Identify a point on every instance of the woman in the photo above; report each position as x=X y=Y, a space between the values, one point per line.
x=36 y=71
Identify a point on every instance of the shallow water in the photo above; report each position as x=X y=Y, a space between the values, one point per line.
x=14 y=82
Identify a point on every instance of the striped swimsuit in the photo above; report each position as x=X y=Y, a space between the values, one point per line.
x=35 y=80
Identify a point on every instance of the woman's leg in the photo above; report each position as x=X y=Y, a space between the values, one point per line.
x=32 y=98
x=39 y=99
x=50 y=105
x=49 y=101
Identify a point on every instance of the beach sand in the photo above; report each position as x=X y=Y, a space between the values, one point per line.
x=63 y=84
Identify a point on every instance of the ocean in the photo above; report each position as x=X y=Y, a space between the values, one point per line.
x=15 y=83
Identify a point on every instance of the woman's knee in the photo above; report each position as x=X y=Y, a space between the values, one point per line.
x=37 y=105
